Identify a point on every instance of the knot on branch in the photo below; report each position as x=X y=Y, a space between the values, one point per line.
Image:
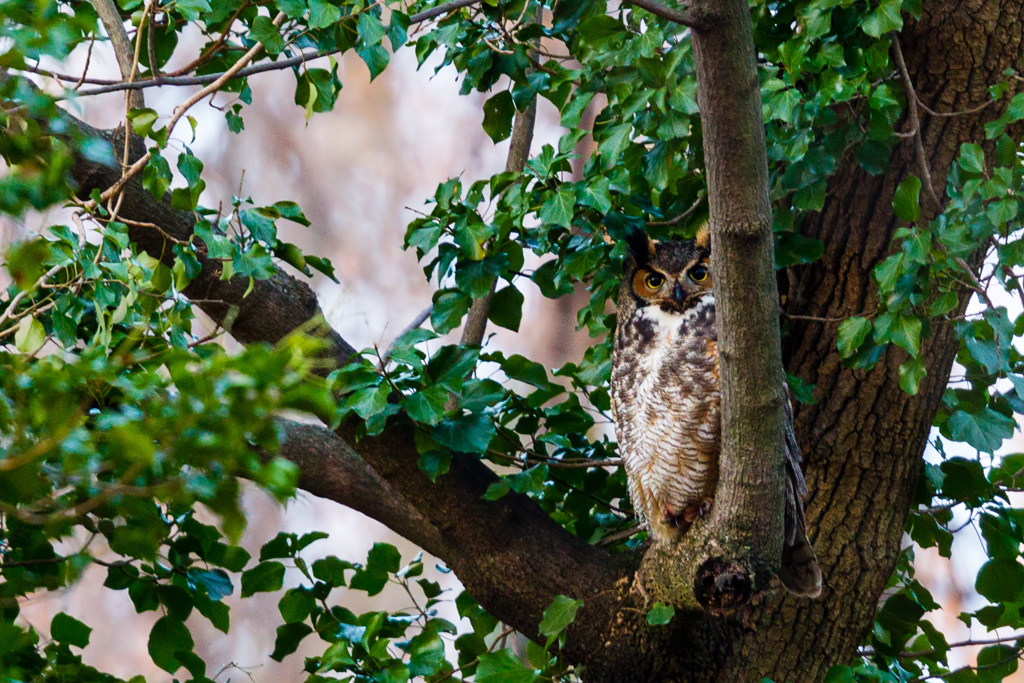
x=721 y=586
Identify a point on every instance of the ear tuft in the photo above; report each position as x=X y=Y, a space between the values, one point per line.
x=640 y=245
x=703 y=236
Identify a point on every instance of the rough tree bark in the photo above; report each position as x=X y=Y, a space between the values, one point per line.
x=862 y=439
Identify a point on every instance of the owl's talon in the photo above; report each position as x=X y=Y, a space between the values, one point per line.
x=705 y=508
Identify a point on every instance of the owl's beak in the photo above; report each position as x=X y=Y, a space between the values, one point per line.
x=678 y=295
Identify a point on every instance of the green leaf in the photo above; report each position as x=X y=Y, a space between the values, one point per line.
x=265 y=577
x=911 y=374
x=559 y=209
x=902 y=330
x=1001 y=579
x=852 y=333
x=370 y=401
x=792 y=249
x=996 y=663
x=498 y=114
x=905 y=202
x=558 y=615
x=427 y=406
x=265 y=32
x=506 y=308
x=67 y=629
x=884 y=19
x=370 y=28
x=370 y=580
x=192 y=9
x=465 y=433
x=972 y=158
x=503 y=667
x=984 y=430
x=168 y=640
x=25 y=262
x=323 y=14
x=398 y=30
x=450 y=305
x=660 y=614
x=292 y=8
x=384 y=557
x=29 y=336
x=376 y=59
x=142 y=120
x=296 y=605
x=288 y=638
x=215 y=582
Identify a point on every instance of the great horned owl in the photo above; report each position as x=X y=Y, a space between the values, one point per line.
x=666 y=399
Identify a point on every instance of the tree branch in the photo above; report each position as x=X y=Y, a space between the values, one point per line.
x=700 y=20
x=206 y=79
x=915 y=125
x=333 y=470
x=122 y=45
x=740 y=547
x=518 y=154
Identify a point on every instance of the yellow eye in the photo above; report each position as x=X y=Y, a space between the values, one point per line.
x=699 y=273
x=654 y=281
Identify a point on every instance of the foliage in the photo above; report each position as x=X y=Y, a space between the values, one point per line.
x=119 y=423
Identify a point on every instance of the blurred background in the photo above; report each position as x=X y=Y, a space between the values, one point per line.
x=360 y=172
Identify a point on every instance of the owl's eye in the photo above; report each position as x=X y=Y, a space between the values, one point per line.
x=699 y=273
x=654 y=281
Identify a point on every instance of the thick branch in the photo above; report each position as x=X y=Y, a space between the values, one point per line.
x=273 y=309
x=694 y=16
x=746 y=523
x=333 y=470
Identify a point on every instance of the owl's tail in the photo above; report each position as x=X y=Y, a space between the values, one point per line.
x=800 y=573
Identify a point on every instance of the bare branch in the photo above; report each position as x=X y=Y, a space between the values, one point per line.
x=303 y=58
x=915 y=124
x=445 y=8
x=182 y=108
x=420 y=318
x=518 y=155
x=676 y=220
x=686 y=16
x=123 y=50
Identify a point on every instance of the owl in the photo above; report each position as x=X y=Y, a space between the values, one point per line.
x=667 y=404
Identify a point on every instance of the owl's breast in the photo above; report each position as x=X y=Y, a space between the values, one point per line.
x=666 y=399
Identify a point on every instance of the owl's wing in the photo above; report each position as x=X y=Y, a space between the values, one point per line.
x=800 y=573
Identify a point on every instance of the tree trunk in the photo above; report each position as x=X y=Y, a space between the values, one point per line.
x=863 y=438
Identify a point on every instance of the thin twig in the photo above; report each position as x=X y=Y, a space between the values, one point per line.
x=88 y=61
x=420 y=318
x=683 y=216
x=309 y=55
x=620 y=535
x=112 y=22
x=23 y=293
x=185 y=106
x=518 y=155
x=151 y=39
x=975 y=285
x=915 y=124
x=964 y=112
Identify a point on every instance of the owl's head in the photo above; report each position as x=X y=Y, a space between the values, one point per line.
x=671 y=274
